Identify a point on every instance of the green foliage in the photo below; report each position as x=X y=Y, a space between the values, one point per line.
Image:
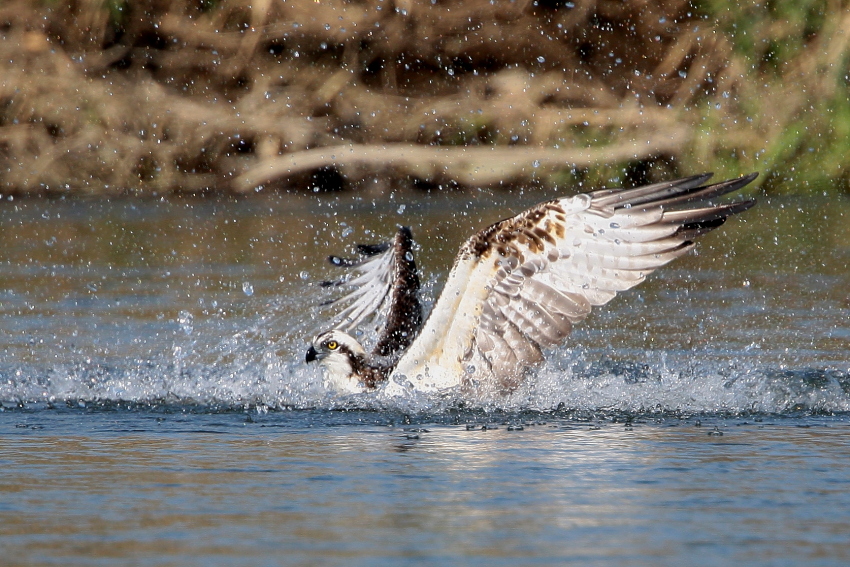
x=118 y=11
x=768 y=34
x=790 y=116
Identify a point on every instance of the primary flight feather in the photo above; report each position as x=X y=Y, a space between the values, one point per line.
x=516 y=287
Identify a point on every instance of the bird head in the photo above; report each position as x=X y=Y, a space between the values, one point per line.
x=340 y=355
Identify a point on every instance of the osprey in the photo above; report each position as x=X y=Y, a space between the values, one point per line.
x=516 y=287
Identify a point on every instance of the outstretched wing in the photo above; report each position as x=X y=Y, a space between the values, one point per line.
x=519 y=285
x=385 y=290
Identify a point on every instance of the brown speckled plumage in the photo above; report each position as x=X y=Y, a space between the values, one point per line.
x=518 y=286
x=532 y=229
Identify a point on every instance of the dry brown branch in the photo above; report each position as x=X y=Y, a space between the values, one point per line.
x=479 y=166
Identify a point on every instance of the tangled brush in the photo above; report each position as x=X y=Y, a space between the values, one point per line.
x=148 y=97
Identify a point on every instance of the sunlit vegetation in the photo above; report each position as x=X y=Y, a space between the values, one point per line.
x=145 y=97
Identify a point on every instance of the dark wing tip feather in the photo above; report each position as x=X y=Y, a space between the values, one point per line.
x=741 y=206
x=697 y=222
x=692 y=230
x=619 y=198
x=670 y=193
x=708 y=192
x=708 y=213
x=373 y=249
x=367 y=250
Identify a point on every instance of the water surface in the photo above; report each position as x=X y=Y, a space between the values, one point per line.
x=157 y=409
x=163 y=487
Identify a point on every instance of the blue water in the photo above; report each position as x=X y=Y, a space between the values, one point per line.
x=156 y=409
x=186 y=486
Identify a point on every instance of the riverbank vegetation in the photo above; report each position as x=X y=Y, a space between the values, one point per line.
x=151 y=97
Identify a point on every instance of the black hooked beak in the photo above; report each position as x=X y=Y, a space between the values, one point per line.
x=312 y=354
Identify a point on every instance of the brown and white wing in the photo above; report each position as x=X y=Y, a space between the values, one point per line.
x=518 y=286
x=384 y=292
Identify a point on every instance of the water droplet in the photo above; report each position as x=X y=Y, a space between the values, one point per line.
x=347 y=232
x=247 y=289
x=185 y=320
x=614 y=225
x=408 y=256
x=304 y=275
x=401 y=209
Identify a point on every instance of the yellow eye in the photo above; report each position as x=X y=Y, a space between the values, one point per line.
x=333 y=345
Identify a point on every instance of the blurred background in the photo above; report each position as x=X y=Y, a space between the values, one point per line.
x=152 y=97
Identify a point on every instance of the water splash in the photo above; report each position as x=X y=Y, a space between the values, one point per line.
x=252 y=369
x=256 y=359
x=768 y=334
